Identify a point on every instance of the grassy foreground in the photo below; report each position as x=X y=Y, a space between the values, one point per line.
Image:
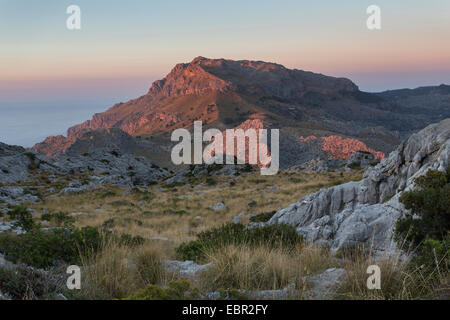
x=167 y=216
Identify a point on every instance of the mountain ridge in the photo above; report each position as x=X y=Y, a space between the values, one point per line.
x=225 y=93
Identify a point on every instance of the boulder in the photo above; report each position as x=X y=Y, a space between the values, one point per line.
x=365 y=212
x=325 y=284
x=219 y=206
x=185 y=268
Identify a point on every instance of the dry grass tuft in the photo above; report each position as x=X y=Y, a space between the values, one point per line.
x=118 y=271
x=262 y=268
x=401 y=279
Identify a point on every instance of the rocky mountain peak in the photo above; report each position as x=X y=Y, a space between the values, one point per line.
x=187 y=79
x=203 y=75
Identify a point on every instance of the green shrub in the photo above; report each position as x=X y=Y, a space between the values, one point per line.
x=32 y=165
x=434 y=253
x=430 y=203
x=43 y=249
x=193 y=250
x=279 y=235
x=427 y=228
x=263 y=217
x=131 y=241
x=210 y=181
x=252 y=204
x=23 y=217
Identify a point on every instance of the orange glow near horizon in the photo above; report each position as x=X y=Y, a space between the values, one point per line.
x=139 y=40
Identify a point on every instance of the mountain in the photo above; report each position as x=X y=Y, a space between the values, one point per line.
x=433 y=101
x=226 y=93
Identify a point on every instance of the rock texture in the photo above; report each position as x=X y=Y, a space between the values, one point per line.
x=85 y=141
x=324 y=285
x=185 y=268
x=103 y=166
x=365 y=212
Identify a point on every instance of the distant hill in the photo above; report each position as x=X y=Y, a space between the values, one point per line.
x=427 y=102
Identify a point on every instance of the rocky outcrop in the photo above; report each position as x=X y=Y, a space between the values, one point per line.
x=365 y=212
x=324 y=285
x=362 y=159
x=104 y=166
x=12 y=195
x=185 y=268
x=341 y=148
x=85 y=141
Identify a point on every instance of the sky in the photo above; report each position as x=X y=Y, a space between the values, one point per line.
x=123 y=46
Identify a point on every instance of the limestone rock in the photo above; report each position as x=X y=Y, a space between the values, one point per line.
x=219 y=206
x=325 y=284
x=105 y=165
x=365 y=212
x=185 y=268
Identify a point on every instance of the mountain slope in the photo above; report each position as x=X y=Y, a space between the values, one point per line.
x=225 y=93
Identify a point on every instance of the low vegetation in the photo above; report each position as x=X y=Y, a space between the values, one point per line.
x=264 y=268
x=121 y=239
x=237 y=234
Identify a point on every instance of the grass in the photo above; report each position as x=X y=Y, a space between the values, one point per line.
x=171 y=212
x=180 y=212
x=263 y=268
x=117 y=271
x=401 y=279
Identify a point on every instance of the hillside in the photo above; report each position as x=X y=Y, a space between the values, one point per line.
x=225 y=93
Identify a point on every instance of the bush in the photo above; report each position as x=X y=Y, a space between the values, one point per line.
x=23 y=217
x=427 y=227
x=131 y=241
x=210 y=181
x=194 y=250
x=430 y=202
x=43 y=249
x=280 y=235
x=434 y=254
x=263 y=217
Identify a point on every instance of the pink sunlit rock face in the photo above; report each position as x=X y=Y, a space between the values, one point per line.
x=342 y=148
